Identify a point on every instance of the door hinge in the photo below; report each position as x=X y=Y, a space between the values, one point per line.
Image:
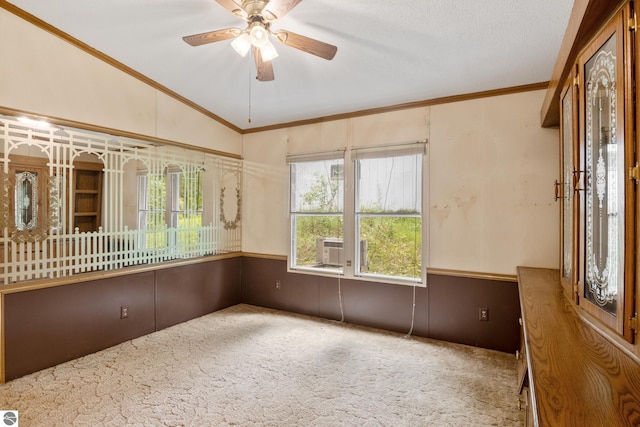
x=634 y=172
x=576 y=81
x=633 y=323
x=576 y=289
x=633 y=23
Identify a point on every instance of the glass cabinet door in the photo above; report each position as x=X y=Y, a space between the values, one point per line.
x=26 y=200
x=566 y=191
x=605 y=162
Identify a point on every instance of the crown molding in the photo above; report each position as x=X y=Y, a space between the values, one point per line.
x=406 y=106
x=587 y=16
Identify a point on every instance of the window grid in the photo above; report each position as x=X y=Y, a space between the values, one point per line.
x=381 y=234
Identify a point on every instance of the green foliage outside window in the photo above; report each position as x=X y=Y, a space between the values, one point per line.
x=308 y=229
x=188 y=210
x=155 y=216
x=323 y=195
x=189 y=226
x=394 y=243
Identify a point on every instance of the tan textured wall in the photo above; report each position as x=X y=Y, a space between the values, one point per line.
x=43 y=74
x=265 y=188
x=491 y=169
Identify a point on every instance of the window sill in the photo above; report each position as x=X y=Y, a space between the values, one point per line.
x=336 y=272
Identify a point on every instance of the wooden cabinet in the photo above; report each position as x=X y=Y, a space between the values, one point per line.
x=598 y=162
x=582 y=350
x=87 y=197
x=567 y=191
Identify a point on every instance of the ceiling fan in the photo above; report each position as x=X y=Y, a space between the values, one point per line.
x=259 y=15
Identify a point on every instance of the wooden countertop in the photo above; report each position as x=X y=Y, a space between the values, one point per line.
x=577 y=376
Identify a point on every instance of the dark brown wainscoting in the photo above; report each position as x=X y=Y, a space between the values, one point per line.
x=448 y=309
x=48 y=326
x=454 y=312
x=191 y=291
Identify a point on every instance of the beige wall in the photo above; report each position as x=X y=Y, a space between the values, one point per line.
x=265 y=189
x=43 y=74
x=490 y=164
x=491 y=169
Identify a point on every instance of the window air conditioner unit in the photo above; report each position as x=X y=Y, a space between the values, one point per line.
x=330 y=252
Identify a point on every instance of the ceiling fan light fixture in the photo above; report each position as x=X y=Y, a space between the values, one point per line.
x=268 y=51
x=242 y=44
x=259 y=36
x=259 y=15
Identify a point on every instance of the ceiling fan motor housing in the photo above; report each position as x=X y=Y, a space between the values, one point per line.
x=254 y=8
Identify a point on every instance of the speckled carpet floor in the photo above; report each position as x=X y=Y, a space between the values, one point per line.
x=247 y=366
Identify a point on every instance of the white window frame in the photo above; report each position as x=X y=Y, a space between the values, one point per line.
x=294 y=215
x=387 y=152
x=351 y=250
x=173 y=197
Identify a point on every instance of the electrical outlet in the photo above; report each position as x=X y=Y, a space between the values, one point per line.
x=483 y=314
x=124 y=311
x=278 y=284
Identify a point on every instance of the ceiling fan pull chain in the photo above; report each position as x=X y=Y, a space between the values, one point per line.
x=250 y=84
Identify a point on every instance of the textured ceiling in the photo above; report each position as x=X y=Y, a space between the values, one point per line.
x=389 y=51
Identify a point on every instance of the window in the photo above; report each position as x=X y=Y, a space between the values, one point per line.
x=185 y=199
x=363 y=218
x=151 y=209
x=316 y=210
x=181 y=192
x=388 y=213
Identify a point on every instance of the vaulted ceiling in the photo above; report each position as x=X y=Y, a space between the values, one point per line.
x=390 y=52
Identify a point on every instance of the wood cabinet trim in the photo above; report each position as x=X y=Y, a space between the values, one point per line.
x=586 y=18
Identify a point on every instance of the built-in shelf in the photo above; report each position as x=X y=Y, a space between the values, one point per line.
x=87 y=198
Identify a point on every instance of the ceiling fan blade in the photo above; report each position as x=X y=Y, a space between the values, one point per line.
x=276 y=9
x=264 y=69
x=212 y=36
x=233 y=7
x=309 y=45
